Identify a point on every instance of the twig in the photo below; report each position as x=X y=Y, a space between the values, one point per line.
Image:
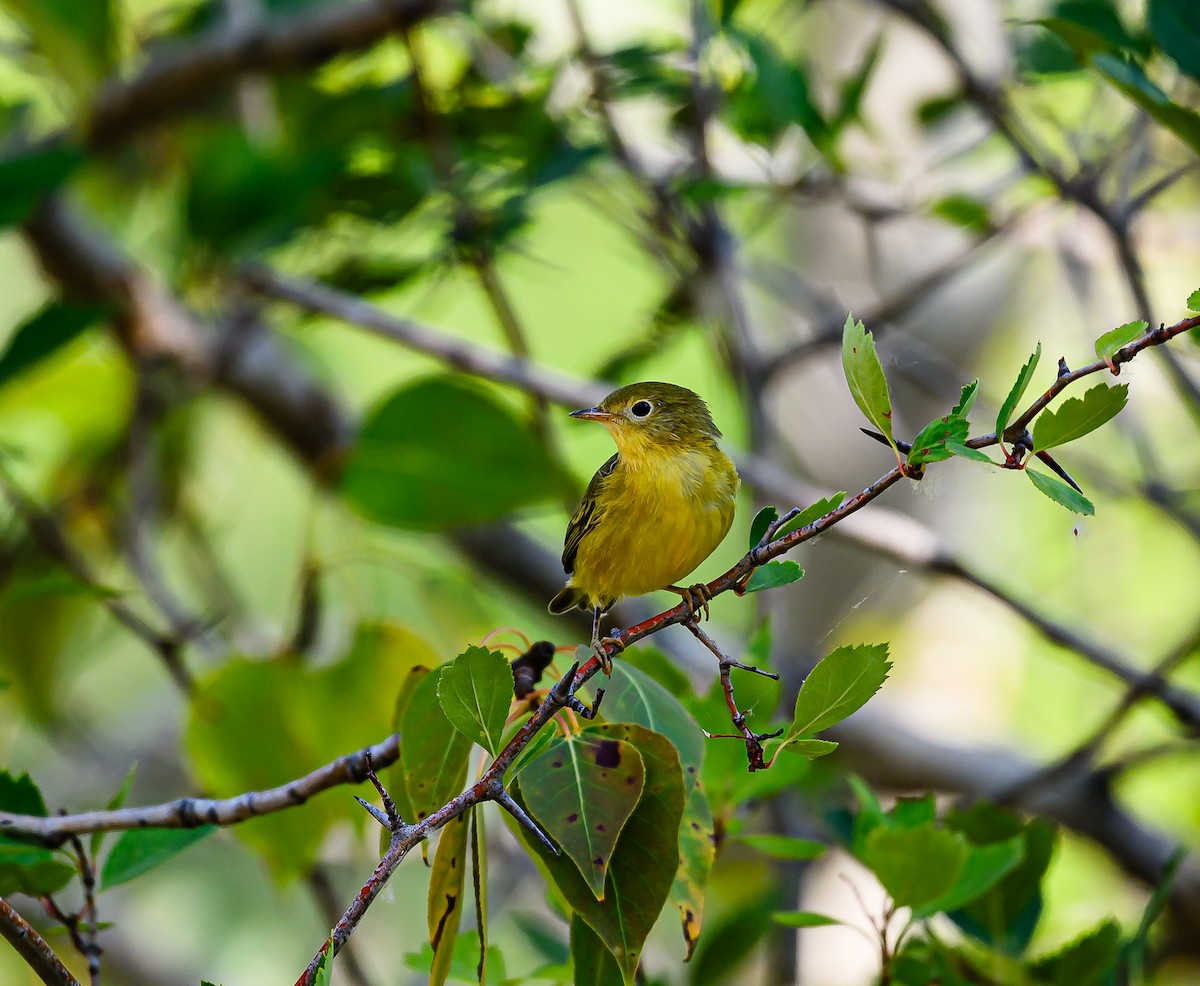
x=894 y=535
x=82 y=925
x=194 y=812
x=33 y=949
x=53 y=541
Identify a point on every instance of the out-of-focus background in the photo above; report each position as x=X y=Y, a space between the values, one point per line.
x=197 y=552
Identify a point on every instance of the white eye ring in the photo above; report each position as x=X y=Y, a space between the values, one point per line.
x=641 y=409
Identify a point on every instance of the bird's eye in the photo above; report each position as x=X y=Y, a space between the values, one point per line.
x=641 y=409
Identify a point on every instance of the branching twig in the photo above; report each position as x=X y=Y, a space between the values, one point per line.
x=194 y=812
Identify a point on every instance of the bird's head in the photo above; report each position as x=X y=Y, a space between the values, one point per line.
x=652 y=415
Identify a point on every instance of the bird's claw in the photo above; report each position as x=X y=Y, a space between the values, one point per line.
x=696 y=597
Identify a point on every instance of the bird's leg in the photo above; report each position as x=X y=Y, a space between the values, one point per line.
x=598 y=644
x=696 y=596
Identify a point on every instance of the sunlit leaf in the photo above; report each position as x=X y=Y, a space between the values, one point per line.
x=582 y=790
x=1076 y=417
x=839 y=685
x=1017 y=391
x=1060 y=492
x=864 y=374
x=966 y=399
x=1113 y=340
x=476 y=465
x=475 y=690
x=138 y=851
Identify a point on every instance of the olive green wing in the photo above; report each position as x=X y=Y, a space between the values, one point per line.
x=586 y=515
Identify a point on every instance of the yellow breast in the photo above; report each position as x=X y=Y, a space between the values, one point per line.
x=662 y=514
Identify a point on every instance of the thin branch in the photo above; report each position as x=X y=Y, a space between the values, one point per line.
x=33 y=949
x=177 y=80
x=194 y=812
x=899 y=537
x=51 y=538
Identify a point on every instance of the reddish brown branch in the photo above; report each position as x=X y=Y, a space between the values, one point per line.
x=33 y=949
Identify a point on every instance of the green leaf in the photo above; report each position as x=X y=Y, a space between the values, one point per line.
x=27 y=178
x=1175 y=25
x=78 y=37
x=479 y=884
x=839 y=684
x=965 y=212
x=864 y=374
x=783 y=846
x=697 y=850
x=43 y=334
x=1075 y=418
x=582 y=790
x=643 y=865
x=593 y=963
x=966 y=399
x=1091 y=958
x=475 y=690
x=807 y=747
x=464 y=962
x=1017 y=391
x=932 y=441
x=802 y=919
x=1193 y=301
x=1131 y=80
x=775 y=96
x=435 y=752
x=445 y=905
x=1060 y=492
x=811 y=513
x=633 y=696
x=1006 y=915
x=966 y=452
x=20 y=795
x=762 y=520
x=985 y=867
x=533 y=749
x=138 y=851
x=478 y=464
x=774 y=574
x=323 y=974
x=1115 y=339
x=917 y=865
x=31 y=870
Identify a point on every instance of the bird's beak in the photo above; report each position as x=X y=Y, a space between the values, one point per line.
x=592 y=414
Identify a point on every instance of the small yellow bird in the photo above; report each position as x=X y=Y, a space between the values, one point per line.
x=652 y=512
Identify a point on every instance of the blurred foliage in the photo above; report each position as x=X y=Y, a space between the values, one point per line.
x=587 y=201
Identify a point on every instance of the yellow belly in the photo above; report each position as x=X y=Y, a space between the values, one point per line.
x=662 y=518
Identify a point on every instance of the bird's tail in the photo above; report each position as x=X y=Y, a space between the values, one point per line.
x=568 y=598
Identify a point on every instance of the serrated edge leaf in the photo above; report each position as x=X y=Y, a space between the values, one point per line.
x=1193 y=301
x=1113 y=340
x=484 y=726
x=1096 y=408
x=1018 y=391
x=865 y=376
x=774 y=575
x=1060 y=492
x=966 y=399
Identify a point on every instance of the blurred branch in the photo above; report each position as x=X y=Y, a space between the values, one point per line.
x=82 y=925
x=244 y=358
x=177 y=80
x=899 y=537
x=53 y=830
x=33 y=949
x=50 y=537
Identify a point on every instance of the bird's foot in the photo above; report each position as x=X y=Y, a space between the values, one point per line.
x=695 y=596
x=600 y=648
